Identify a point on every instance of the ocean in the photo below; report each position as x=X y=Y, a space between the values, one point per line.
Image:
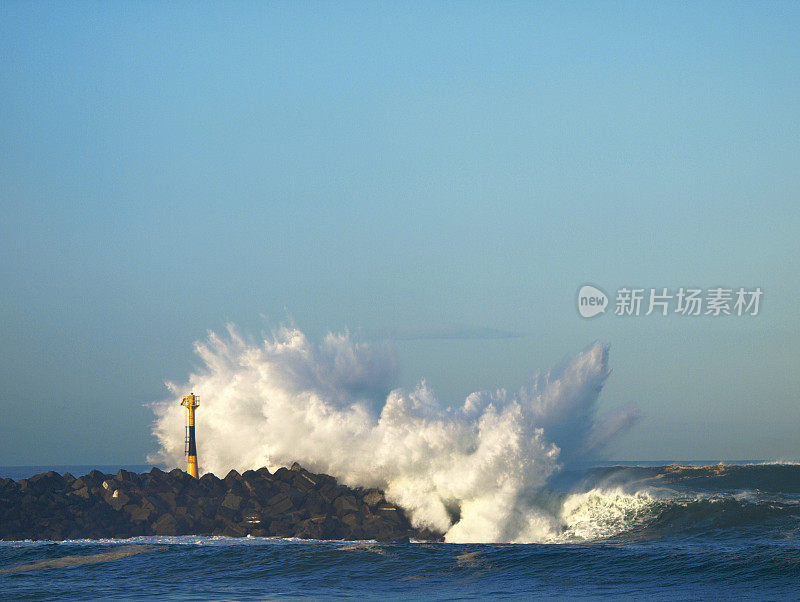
x=637 y=531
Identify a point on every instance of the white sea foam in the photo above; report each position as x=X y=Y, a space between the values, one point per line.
x=601 y=513
x=329 y=406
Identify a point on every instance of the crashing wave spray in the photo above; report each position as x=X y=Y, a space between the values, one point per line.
x=471 y=472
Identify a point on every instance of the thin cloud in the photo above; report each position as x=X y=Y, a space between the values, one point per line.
x=454 y=333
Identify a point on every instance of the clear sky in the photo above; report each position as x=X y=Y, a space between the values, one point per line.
x=438 y=173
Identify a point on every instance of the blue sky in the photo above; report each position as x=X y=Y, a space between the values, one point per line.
x=415 y=170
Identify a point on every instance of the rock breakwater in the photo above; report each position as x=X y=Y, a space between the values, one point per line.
x=288 y=503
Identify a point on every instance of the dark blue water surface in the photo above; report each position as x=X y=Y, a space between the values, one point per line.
x=25 y=472
x=203 y=568
x=730 y=533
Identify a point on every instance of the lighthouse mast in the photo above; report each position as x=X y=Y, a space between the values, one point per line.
x=190 y=402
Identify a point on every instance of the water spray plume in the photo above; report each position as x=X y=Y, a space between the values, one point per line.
x=471 y=472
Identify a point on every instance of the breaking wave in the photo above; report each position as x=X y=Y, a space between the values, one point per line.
x=477 y=471
x=603 y=515
x=636 y=503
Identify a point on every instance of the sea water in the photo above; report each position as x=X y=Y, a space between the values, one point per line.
x=626 y=532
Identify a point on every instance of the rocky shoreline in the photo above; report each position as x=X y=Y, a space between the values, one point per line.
x=289 y=503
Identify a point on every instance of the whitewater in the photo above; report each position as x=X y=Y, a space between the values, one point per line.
x=476 y=471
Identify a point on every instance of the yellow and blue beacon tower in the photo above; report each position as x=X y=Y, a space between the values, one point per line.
x=190 y=402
